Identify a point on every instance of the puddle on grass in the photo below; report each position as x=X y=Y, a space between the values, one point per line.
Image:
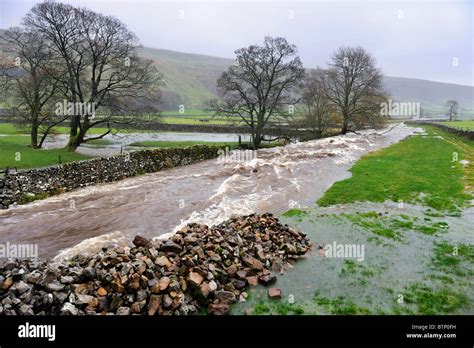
x=390 y=267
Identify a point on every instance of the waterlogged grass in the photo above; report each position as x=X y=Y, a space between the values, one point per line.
x=351 y=267
x=430 y=301
x=340 y=305
x=418 y=170
x=454 y=259
x=14 y=152
x=346 y=285
x=393 y=227
x=294 y=213
x=272 y=307
x=372 y=222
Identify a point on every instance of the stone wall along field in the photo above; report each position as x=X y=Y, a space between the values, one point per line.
x=468 y=134
x=27 y=185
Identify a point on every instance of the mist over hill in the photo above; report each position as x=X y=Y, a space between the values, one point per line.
x=190 y=79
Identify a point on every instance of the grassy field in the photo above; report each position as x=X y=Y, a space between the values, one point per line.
x=188 y=112
x=460 y=124
x=14 y=152
x=419 y=169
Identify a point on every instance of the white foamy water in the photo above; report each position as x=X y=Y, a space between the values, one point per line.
x=155 y=205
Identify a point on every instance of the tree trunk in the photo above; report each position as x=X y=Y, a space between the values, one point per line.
x=43 y=137
x=258 y=139
x=74 y=142
x=345 y=122
x=34 y=130
x=74 y=134
x=34 y=136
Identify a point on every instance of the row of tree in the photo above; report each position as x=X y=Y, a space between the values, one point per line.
x=269 y=82
x=66 y=55
x=64 y=61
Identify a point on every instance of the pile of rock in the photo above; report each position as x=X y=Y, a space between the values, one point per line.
x=199 y=267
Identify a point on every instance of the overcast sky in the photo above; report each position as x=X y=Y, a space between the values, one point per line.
x=431 y=40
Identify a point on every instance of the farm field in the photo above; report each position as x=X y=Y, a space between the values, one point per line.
x=468 y=124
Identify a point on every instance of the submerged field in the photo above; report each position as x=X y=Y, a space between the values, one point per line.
x=407 y=207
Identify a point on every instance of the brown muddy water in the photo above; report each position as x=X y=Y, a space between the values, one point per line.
x=209 y=192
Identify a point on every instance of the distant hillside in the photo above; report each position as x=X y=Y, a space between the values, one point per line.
x=191 y=79
x=431 y=95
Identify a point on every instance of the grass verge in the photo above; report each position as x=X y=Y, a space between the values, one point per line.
x=419 y=169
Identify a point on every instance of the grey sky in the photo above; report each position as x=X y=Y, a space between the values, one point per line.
x=422 y=39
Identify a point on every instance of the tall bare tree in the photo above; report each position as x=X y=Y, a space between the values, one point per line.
x=30 y=73
x=102 y=65
x=315 y=105
x=261 y=85
x=453 y=106
x=354 y=85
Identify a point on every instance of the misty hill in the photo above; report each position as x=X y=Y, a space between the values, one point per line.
x=431 y=95
x=190 y=79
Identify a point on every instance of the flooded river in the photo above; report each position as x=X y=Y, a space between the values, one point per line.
x=208 y=192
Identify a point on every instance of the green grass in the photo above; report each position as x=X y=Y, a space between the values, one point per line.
x=168 y=144
x=100 y=142
x=14 y=152
x=460 y=124
x=416 y=170
x=393 y=227
x=375 y=224
x=294 y=212
x=431 y=301
x=340 y=305
x=277 y=307
x=11 y=129
x=187 y=112
x=454 y=259
x=194 y=121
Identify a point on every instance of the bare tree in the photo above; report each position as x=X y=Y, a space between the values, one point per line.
x=453 y=106
x=354 y=85
x=29 y=75
x=104 y=72
x=316 y=107
x=261 y=85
